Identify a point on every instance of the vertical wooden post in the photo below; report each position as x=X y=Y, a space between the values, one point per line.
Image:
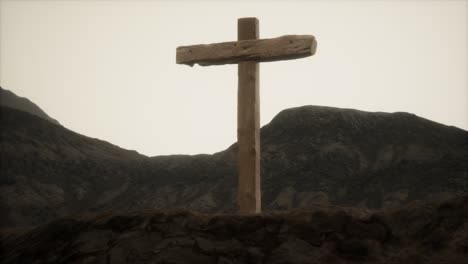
x=248 y=125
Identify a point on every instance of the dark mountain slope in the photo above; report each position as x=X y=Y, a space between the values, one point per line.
x=11 y=100
x=49 y=171
x=364 y=158
x=310 y=155
x=325 y=155
x=420 y=232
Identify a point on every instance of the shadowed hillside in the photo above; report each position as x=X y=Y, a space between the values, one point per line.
x=310 y=155
x=11 y=100
x=48 y=171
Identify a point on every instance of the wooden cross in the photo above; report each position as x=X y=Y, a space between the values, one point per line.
x=247 y=52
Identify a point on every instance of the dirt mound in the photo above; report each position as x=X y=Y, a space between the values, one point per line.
x=420 y=232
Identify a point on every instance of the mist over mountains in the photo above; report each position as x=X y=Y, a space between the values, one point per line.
x=310 y=155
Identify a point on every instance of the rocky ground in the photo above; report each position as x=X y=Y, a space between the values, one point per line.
x=420 y=232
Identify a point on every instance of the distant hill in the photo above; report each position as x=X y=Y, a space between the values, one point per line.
x=310 y=155
x=9 y=99
x=48 y=171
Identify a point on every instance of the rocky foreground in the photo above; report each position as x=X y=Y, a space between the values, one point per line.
x=419 y=232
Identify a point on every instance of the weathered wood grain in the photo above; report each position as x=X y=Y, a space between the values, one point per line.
x=248 y=125
x=248 y=52
x=259 y=50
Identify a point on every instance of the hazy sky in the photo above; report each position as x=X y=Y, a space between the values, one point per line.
x=106 y=69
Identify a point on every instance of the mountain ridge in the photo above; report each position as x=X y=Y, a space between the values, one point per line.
x=9 y=99
x=310 y=155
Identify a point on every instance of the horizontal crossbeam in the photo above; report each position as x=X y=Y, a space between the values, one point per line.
x=259 y=50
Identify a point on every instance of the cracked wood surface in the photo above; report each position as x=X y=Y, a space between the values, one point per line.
x=260 y=50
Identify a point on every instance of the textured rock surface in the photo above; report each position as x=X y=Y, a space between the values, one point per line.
x=310 y=155
x=420 y=232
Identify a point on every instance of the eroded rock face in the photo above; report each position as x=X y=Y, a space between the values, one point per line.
x=421 y=232
x=310 y=155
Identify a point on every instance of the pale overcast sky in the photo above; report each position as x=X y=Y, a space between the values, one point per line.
x=106 y=69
